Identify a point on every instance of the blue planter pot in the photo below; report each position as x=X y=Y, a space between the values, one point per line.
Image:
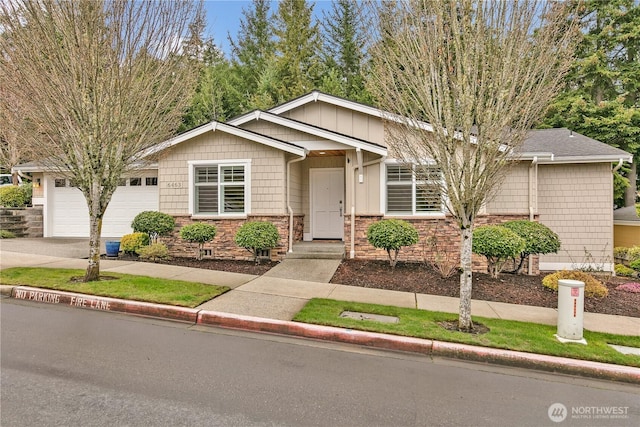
x=113 y=248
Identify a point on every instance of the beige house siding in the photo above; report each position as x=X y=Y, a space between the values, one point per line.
x=295 y=183
x=341 y=120
x=513 y=194
x=575 y=202
x=368 y=192
x=267 y=172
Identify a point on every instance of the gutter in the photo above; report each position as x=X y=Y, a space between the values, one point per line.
x=359 y=172
x=289 y=209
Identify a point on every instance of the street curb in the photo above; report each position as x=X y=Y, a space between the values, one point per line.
x=92 y=302
x=427 y=347
x=424 y=346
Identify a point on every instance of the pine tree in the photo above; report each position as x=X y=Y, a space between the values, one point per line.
x=344 y=43
x=297 y=49
x=602 y=94
x=252 y=53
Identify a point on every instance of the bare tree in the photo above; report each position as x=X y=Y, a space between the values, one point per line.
x=98 y=82
x=467 y=80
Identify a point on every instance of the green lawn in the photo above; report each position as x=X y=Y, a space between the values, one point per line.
x=125 y=286
x=504 y=334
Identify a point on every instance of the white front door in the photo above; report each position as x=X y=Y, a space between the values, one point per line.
x=327 y=203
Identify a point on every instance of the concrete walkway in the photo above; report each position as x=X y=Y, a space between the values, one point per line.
x=280 y=294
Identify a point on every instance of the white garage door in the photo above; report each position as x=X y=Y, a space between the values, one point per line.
x=69 y=215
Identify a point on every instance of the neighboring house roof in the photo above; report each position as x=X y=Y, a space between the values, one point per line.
x=232 y=130
x=567 y=146
x=309 y=129
x=626 y=215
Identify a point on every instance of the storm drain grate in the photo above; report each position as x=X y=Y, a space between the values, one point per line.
x=369 y=316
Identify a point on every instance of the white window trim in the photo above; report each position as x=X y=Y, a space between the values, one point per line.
x=247 y=186
x=383 y=193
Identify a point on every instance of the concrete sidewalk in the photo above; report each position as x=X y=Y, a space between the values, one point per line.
x=278 y=295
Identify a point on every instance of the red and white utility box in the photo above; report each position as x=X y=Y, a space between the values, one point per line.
x=570 y=311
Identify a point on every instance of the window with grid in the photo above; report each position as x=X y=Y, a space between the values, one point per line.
x=413 y=189
x=219 y=189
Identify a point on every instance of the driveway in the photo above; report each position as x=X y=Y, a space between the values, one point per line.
x=53 y=246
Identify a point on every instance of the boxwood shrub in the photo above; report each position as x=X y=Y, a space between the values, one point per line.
x=255 y=236
x=200 y=233
x=391 y=235
x=498 y=245
x=153 y=223
x=132 y=243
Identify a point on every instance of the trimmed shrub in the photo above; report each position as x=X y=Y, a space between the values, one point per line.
x=131 y=243
x=154 y=251
x=538 y=238
x=200 y=233
x=593 y=288
x=153 y=223
x=498 y=244
x=635 y=265
x=15 y=196
x=623 y=270
x=391 y=235
x=6 y=234
x=255 y=236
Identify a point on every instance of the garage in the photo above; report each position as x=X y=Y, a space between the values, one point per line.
x=67 y=214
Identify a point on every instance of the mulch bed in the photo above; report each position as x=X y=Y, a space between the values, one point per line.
x=509 y=288
x=421 y=278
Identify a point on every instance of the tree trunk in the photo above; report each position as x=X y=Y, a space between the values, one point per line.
x=630 y=192
x=464 y=318
x=95 y=229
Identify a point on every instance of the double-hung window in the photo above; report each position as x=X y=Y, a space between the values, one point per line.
x=413 y=189
x=220 y=189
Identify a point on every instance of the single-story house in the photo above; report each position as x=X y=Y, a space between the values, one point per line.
x=318 y=167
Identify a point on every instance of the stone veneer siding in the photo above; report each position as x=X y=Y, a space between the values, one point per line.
x=223 y=245
x=445 y=231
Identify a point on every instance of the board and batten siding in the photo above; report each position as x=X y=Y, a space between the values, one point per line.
x=267 y=172
x=575 y=201
x=340 y=120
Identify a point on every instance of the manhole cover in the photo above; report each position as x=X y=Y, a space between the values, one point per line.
x=626 y=350
x=369 y=316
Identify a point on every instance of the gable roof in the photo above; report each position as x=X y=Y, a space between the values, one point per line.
x=558 y=145
x=309 y=129
x=216 y=126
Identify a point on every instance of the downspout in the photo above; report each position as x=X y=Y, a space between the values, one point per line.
x=358 y=172
x=304 y=156
x=618 y=166
x=533 y=175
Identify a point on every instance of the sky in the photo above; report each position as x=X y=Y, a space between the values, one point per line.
x=223 y=17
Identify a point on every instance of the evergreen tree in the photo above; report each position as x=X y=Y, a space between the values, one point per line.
x=297 y=49
x=343 y=53
x=602 y=92
x=215 y=96
x=252 y=53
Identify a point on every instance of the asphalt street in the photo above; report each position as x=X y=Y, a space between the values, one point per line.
x=64 y=366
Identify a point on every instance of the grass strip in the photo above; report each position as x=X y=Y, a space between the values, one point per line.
x=503 y=334
x=115 y=285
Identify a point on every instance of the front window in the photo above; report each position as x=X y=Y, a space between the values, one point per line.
x=413 y=189
x=220 y=189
